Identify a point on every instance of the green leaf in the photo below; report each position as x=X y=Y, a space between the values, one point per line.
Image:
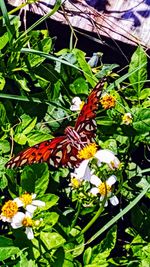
x=146 y=104
x=47 y=72
x=50 y=219
x=22 y=82
x=7 y=248
x=79 y=86
x=20 y=138
x=138 y=78
x=52 y=240
x=106 y=122
x=101 y=251
x=42 y=178
x=142 y=123
x=35 y=178
x=3 y=181
x=78 y=247
x=36 y=136
x=6 y=20
x=24 y=128
x=145 y=93
x=80 y=56
x=31 y=124
x=55 y=116
x=42 y=45
x=3 y=40
x=4 y=146
x=2 y=114
x=25 y=262
x=63 y=258
x=50 y=200
x=87 y=255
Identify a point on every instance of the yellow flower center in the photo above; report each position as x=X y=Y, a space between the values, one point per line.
x=104 y=189
x=108 y=101
x=88 y=151
x=9 y=209
x=81 y=105
x=26 y=199
x=75 y=182
x=27 y=222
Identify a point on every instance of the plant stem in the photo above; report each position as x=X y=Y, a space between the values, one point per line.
x=77 y=214
x=98 y=213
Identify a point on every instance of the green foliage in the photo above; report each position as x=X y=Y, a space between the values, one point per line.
x=73 y=228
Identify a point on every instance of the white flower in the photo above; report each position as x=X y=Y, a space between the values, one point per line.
x=83 y=171
x=127 y=118
x=75 y=180
x=77 y=104
x=28 y=201
x=9 y=210
x=23 y=220
x=103 y=156
x=107 y=156
x=104 y=189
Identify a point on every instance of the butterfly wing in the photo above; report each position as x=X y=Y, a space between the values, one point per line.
x=86 y=125
x=61 y=151
x=56 y=152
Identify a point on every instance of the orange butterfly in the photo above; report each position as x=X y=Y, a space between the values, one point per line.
x=63 y=150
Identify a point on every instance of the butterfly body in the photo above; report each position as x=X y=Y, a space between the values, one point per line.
x=63 y=150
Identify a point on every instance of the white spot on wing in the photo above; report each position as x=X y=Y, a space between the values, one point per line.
x=73 y=158
x=88 y=127
x=12 y=165
x=58 y=156
x=23 y=162
x=16 y=159
x=51 y=162
x=69 y=164
x=94 y=122
x=68 y=147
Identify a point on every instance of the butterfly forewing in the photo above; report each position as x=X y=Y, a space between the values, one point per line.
x=86 y=124
x=63 y=150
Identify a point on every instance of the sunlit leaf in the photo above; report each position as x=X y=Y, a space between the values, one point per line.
x=7 y=248
x=142 y=121
x=52 y=240
x=35 y=178
x=138 y=78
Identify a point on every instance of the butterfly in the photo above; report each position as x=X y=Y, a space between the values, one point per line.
x=62 y=151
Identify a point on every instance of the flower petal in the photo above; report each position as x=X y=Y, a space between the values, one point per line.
x=5 y=219
x=38 y=203
x=95 y=180
x=19 y=202
x=33 y=196
x=29 y=214
x=17 y=220
x=76 y=102
x=114 y=200
x=111 y=180
x=94 y=191
x=107 y=156
x=31 y=208
x=104 y=155
x=29 y=233
x=83 y=170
